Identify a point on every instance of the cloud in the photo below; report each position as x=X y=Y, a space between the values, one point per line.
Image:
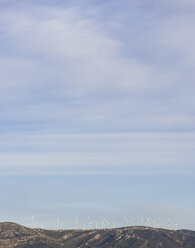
x=77 y=56
x=138 y=153
x=179 y=37
x=64 y=70
x=74 y=55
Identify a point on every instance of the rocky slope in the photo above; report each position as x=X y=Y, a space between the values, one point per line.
x=16 y=236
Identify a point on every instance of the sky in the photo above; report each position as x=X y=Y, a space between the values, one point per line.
x=97 y=117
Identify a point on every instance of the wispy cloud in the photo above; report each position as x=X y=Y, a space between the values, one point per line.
x=58 y=64
x=146 y=153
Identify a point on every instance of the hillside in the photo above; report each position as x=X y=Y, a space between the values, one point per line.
x=16 y=236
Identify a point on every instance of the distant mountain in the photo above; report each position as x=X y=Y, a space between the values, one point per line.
x=16 y=236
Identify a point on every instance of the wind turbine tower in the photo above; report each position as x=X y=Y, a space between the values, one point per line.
x=57 y=223
x=32 y=222
x=147 y=221
x=175 y=226
x=76 y=224
x=130 y=221
x=138 y=220
x=89 y=223
x=96 y=224
x=169 y=225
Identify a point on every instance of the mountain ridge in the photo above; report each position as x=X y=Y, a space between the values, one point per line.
x=13 y=235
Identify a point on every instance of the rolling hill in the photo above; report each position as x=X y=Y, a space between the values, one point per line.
x=16 y=236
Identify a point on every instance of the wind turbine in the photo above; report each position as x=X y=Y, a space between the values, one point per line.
x=155 y=223
x=104 y=224
x=107 y=223
x=169 y=224
x=138 y=220
x=126 y=223
x=96 y=224
x=158 y=222
x=142 y=220
x=113 y=225
x=89 y=223
x=147 y=221
x=57 y=223
x=32 y=221
x=175 y=226
x=76 y=224
x=130 y=221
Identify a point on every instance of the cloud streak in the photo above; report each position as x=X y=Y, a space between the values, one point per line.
x=146 y=153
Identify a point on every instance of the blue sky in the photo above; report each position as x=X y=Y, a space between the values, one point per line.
x=97 y=111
